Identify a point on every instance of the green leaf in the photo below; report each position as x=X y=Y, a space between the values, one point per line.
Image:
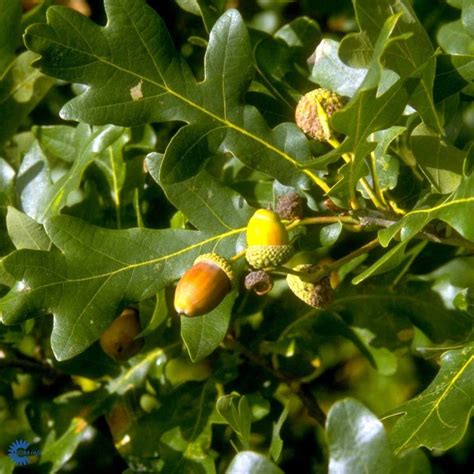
x=7 y=465
x=357 y=440
x=175 y=437
x=367 y=112
x=386 y=166
x=252 y=463
x=235 y=410
x=387 y=262
x=7 y=183
x=441 y=162
x=277 y=443
x=389 y=314
x=407 y=57
x=96 y=271
x=281 y=60
x=330 y=233
x=438 y=417
x=467 y=16
x=57 y=141
x=358 y=444
x=455 y=39
x=25 y=232
x=134 y=376
x=41 y=197
x=112 y=164
x=203 y=199
x=455 y=209
x=331 y=73
x=209 y=10
x=21 y=88
x=312 y=329
x=64 y=423
x=153 y=83
x=203 y=334
x=10 y=31
x=464 y=300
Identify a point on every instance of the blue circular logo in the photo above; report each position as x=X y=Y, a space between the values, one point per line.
x=18 y=452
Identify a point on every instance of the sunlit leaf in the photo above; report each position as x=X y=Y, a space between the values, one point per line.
x=438 y=417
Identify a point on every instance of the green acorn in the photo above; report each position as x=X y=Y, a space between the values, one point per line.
x=267 y=240
x=203 y=286
x=314 y=111
x=316 y=294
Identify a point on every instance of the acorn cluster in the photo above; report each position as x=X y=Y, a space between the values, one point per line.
x=203 y=286
x=206 y=283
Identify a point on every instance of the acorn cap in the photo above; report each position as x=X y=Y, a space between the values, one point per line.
x=318 y=294
x=260 y=282
x=266 y=256
x=221 y=262
x=314 y=110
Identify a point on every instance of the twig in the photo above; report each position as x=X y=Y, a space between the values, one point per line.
x=298 y=388
x=12 y=358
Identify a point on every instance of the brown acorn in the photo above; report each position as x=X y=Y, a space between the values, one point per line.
x=314 y=111
x=118 y=340
x=260 y=282
x=203 y=286
x=267 y=240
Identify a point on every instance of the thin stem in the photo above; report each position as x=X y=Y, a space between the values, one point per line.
x=348 y=158
x=350 y=256
x=375 y=179
x=317 y=180
x=457 y=241
x=414 y=253
x=10 y=357
x=321 y=220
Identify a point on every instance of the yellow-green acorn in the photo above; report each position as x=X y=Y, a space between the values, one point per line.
x=267 y=240
x=119 y=341
x=316 y=294
x=314 y=111
x=203 y=286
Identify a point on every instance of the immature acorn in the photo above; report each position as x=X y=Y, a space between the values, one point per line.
x=316 y=294
x=268 y=244
x=118 y=340
x=314 y=110
x=290 y=206
x=203 y=286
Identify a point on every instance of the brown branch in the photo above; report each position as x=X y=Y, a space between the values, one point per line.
x=12 y=358
x=298 y=388
x=457 y=241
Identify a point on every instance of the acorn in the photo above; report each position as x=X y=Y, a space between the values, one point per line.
x=268 y=244
x=118 y=340
x=314 y=110
x=316 y=294
x=203 y=286
x=290 y=207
